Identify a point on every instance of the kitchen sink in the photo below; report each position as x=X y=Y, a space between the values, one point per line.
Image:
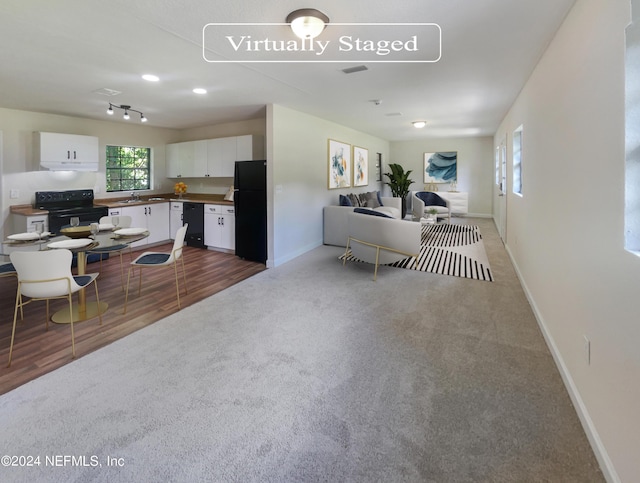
x=157 y=199
x=130 y=201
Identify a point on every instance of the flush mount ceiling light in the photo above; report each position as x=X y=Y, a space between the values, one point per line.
x=199 y=90
x=307 y=23
x=151 y=78
x=126 y=110
x=419 y=124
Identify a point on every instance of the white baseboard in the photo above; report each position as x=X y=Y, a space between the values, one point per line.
x=606 y=465
x=297 y=253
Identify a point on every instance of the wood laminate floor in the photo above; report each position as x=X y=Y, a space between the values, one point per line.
x=37 y=351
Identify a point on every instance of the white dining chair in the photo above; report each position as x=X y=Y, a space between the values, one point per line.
x=123 y=222
x=46 y=275
x=161 y=259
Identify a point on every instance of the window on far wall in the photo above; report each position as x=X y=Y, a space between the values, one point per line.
x=517 y=161
x=128 y=168
x=498 y=165
x=632 y=134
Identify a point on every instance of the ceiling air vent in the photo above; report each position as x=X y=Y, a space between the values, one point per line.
x=358 y=68
x=107 y=92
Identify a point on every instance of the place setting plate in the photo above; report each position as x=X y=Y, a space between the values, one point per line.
x=106 y=226
x=130 y=231
x=27 y=237
x=71 y=244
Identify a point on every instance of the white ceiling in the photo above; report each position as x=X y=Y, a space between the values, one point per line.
x=54 y=55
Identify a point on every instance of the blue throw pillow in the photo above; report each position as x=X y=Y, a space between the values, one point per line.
x=345 y=201
x=365 y=211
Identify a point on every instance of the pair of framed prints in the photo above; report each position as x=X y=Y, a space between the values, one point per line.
x=340 y=156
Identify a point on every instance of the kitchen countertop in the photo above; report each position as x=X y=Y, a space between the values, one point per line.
x=29 y=210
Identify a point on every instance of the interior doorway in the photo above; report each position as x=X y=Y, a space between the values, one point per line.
x=501 y=204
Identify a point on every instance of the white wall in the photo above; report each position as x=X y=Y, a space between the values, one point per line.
x=298 y=176
x=566 y=233
x=475 y=166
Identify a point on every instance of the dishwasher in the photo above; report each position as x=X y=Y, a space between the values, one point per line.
x=193 y=214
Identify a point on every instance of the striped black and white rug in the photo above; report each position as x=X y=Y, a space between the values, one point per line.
x=445 y=249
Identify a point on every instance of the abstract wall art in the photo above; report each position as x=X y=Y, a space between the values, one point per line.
x=339 y=164
x=360 y=166
x=441 y=167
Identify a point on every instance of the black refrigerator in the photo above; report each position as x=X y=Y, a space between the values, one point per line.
x=250 y=199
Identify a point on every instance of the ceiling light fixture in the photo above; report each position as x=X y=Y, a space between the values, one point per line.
x=151 y=78
x=126 y=110
x=419 y=124
x=307 y=23
x=199 y=90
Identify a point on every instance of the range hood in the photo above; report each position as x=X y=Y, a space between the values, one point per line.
x=66 y=152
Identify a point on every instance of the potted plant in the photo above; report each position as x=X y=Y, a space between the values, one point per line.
x=399 y=183
x=431 y=215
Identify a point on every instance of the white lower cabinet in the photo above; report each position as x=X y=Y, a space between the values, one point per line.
x=175 y=218
x=220 y=226
x=23 y=223
x=154 y=217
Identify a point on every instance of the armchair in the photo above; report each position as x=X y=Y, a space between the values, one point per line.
x=422 y=201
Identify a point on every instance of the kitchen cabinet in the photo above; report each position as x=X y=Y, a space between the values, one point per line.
x=186 y=160
x=24 y=223
x=221 y=157
x=249 y=148
x=220 y=226
x=212 y=158
x=175 y=218
x=154 y=217
x=67 y=151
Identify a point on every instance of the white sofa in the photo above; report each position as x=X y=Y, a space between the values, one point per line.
x=381 y=240
x=335 y=219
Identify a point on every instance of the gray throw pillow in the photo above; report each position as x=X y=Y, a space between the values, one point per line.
x=355 y=201
x=372 y=199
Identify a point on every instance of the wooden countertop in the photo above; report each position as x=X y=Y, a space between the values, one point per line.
x=29 y=210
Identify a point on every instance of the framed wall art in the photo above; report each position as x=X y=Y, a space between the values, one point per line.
x=360 y=166
x=441 y=167
x=339 y=164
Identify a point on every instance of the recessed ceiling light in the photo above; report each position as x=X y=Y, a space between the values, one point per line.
x=419 y=124
x=151 y=78
x=199 y=90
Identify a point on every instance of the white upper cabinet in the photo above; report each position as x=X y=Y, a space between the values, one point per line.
x=72 y=152
x=213 y=158
x=249 y=148
x=221 y=157
x=186 y=160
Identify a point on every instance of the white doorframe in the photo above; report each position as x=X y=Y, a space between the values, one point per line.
x=500 y=214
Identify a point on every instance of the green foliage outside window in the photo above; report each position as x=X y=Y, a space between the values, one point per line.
x=128 y=168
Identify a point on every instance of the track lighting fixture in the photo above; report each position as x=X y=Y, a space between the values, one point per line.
x=126 y=110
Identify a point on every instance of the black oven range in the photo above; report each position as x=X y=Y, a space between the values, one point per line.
x=64 y=205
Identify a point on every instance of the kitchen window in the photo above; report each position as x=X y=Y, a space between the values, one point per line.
x=128 y=168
